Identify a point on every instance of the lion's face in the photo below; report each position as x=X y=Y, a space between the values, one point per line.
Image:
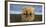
x=27 y=14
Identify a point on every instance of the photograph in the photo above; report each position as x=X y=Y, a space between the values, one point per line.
x=20 y=13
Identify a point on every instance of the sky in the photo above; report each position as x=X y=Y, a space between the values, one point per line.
x=16 y=8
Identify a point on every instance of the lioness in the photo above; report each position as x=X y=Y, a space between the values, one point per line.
x=28 y=14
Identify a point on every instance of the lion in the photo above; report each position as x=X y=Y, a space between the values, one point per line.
x=28 y=14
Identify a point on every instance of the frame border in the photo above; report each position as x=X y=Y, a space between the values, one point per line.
x=6 y=13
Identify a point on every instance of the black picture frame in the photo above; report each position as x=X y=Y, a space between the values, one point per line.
x=6 y=13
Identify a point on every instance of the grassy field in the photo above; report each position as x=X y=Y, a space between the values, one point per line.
x=17 y=18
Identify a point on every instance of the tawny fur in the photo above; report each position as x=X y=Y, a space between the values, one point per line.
x=28 y=18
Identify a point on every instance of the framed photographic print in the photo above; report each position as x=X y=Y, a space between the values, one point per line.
x=25 y=13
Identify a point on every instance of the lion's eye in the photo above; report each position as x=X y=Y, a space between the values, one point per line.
x=24 y=14
x=30 y=14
